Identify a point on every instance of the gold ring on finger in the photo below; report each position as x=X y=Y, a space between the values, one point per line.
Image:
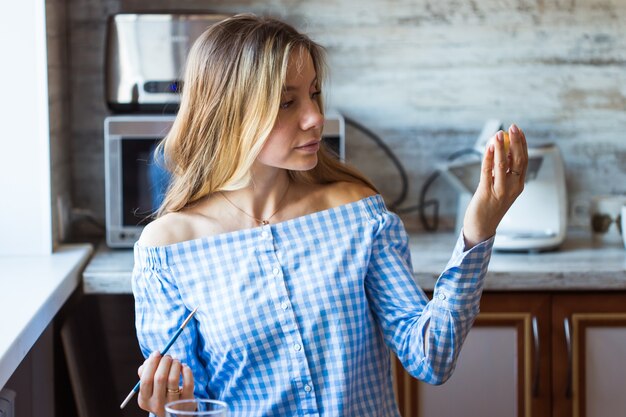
x=173 y=391
x=514 y=172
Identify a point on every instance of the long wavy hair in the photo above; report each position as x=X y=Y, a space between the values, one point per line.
x=234 y=77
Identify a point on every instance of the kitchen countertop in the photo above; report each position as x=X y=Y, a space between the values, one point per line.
x=34 y=288
x=580 y=264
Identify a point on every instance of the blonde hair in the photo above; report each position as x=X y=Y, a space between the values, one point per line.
x=233 y=82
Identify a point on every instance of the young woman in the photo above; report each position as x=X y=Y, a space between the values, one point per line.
x=302 y=277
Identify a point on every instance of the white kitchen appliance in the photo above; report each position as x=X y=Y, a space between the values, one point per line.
x=538 y=219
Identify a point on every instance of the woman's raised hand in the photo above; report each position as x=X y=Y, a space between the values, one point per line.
x=160 y=376
x=501 y=182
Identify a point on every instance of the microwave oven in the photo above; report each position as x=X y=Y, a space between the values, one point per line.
x=135 y=184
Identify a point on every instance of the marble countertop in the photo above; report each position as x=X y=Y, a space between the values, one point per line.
x=580 y=264
x=34 y=288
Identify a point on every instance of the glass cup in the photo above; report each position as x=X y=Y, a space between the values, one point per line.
x=196 y=407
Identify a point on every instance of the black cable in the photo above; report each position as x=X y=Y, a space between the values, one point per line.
x=422 y=203
x=404 y=179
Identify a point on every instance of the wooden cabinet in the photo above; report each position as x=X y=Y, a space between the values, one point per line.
x=503 y=369
x=589 y=347
x=532 y=355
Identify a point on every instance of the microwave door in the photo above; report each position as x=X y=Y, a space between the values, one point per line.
x=136 y=185
x=144 y=183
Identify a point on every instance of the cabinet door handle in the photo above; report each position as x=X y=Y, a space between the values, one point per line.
x=537 y=362
x=568 y=342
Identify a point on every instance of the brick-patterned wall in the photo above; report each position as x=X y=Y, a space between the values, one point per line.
x=425 y=75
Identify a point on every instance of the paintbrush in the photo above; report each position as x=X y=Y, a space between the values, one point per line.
x=163 y=352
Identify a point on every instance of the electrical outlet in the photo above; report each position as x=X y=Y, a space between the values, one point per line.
x=7 y=403
x=64 y=218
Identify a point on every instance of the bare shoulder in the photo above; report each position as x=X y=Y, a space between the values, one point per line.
x=343 y=192
x=179 y=227
x=165 y=230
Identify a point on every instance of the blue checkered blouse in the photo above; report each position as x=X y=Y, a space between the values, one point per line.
x=297 y=318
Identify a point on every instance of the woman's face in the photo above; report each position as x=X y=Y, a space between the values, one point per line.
x=295 y=138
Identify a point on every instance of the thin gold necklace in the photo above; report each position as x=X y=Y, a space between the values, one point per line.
x=261 y=222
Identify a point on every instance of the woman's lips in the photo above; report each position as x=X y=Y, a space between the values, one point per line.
x=310 y=147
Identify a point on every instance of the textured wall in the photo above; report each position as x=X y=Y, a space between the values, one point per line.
x=424 y=75
x=59 y=101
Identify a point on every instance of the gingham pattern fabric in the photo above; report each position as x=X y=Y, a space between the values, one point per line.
x=297 y=318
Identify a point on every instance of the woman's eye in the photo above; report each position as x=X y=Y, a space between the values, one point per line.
x=286 y=104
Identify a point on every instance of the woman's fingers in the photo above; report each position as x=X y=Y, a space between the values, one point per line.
x=501 y=182
x=525 y=148
x=172 y=388
x=524 y=143
x=503 y=171
x=187 y=392
x=500 y=163
x=519 y=153
x=160 y=379
x=147 y=379
x=486 y=172
x=161 y=376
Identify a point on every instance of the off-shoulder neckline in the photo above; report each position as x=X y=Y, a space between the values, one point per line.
x=375 y=198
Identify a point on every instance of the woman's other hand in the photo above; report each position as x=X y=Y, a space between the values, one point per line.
x=501 y=182
x=160 y=376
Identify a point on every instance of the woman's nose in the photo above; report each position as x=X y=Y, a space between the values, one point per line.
x=312 y=117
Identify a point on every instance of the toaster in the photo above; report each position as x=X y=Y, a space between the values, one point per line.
x=537 y=220
x=145 y=56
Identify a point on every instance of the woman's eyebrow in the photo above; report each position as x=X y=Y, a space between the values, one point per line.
x=295 y=87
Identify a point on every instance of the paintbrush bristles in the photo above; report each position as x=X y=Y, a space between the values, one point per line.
x=189 y=318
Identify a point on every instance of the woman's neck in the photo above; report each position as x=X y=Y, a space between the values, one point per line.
x=264 y=198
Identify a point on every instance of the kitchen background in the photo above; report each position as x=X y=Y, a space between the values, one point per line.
x=423 y=74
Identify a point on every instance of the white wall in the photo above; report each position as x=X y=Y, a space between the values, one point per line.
x=25 y=209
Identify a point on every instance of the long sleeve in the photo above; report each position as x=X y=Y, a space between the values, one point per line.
x=425 y=335
x=160 y=311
